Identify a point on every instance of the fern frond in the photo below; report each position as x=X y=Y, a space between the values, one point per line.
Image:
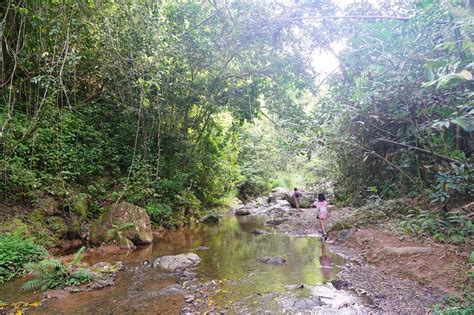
x=112 y=233
x=78 y=256
x=33 y=284
x=125 y=226
x=51 y=263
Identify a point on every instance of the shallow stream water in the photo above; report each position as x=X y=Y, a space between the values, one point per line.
x=231 y=260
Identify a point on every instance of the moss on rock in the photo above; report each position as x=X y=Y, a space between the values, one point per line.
x=79 y=205
x=58 y=226
x=139 y=232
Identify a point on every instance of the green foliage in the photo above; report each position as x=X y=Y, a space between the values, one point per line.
x=443 y=226
x=162 y=215
x=116 y=232
x=155 y=100
x=374 y=212
x=462 y=304
x=51 y=273
x=397 y=115
x=15 y=253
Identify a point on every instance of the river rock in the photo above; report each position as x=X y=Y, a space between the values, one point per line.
x=211 y=219
x=261 y=201
x=305 y=201
x=259 y=232
x=343 y=235
x=139 y=233
x=307 y=303
x=277 y=211
x=272 y=260
x=173 y=289
x=177 y=262
x=276 y=221
x=340 y=284
x=278 y=193
x=242 y=211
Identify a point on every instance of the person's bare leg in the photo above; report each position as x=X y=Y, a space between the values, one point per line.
x=323 y=228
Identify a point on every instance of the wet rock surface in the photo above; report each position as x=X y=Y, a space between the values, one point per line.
x=177 y=262
x=104 y=275
x=242 y=211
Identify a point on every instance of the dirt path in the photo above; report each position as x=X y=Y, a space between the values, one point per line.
x=390 y=273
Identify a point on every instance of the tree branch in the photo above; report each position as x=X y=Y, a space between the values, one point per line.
x=420 y=150
x=360 y=17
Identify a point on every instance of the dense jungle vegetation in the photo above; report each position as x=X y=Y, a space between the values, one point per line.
x=178 y=106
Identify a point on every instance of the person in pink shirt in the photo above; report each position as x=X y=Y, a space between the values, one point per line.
x=321 y=206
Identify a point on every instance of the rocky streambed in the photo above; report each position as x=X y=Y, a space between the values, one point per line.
x=268 y=257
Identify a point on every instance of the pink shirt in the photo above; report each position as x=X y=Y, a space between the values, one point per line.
x=322 y=208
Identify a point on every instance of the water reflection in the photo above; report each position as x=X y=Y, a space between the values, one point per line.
x=231 y=258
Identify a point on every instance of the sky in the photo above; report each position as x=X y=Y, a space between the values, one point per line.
x=326 y=62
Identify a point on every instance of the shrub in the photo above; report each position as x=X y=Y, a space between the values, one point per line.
x=162 y=214
x=443 y=226
x=376 y=211
x=15 y=253
x=51 y=273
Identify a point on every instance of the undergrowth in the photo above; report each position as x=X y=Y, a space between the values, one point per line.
x=373 y=213
x=51 y=273
x=15 y=253
x=443 y=226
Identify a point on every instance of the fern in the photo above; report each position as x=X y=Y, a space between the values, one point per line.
x=117 y=229
x=32 y=285
x=76 y=260
x=53 y=273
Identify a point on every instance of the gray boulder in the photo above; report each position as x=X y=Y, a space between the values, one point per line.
x=177 y=262
x=279 y=193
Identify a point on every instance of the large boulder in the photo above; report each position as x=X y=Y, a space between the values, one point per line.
x=177 y=262
x=305 y=201
x=121 y=215
x=279 y=193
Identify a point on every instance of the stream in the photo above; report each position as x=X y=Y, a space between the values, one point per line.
x=229 y=253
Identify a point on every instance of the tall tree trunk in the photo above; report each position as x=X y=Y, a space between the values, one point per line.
x=2 y=62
